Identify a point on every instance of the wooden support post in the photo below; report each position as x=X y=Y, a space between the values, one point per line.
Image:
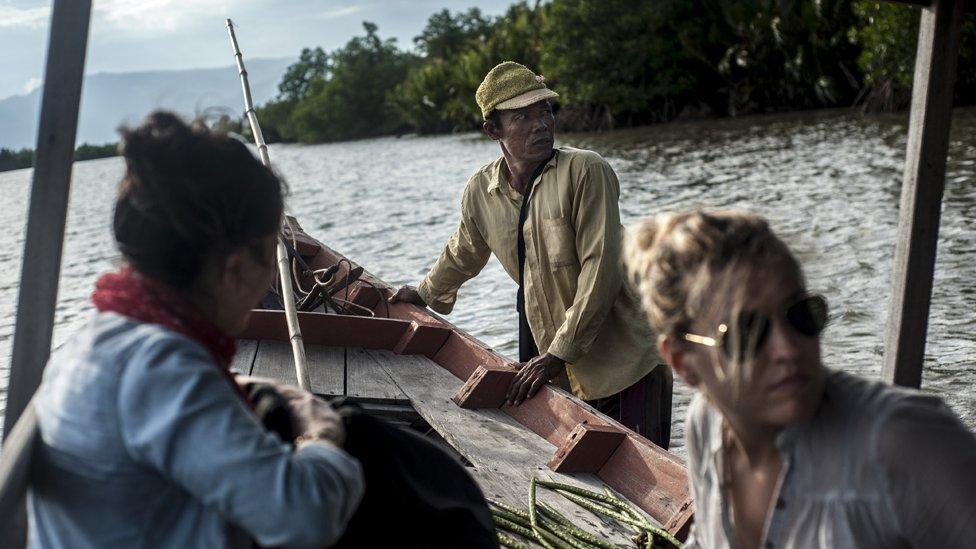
x=921 y=193
x=587 y=448
x=15 y=470
x=43 y=243
x=48 y=208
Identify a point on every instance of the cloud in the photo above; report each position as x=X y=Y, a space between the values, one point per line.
x=155 y=15
x=339 y=13
x=32 y=84
x=30 y=18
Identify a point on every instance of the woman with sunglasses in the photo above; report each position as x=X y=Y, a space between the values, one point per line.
x=782 y=451
x=147 y=440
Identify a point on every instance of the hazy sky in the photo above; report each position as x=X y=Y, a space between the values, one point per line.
x=133 y=35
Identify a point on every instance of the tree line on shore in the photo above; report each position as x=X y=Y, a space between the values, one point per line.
x=614 y=63
x=13 y=159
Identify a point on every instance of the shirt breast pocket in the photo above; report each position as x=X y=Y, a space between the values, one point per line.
x=559 y=241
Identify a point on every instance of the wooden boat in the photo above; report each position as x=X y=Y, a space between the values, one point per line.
x=410 y=365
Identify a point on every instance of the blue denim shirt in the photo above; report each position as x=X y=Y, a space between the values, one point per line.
x=877 y=466
x=145 y=444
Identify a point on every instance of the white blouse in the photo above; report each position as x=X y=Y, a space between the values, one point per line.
x=878 y=466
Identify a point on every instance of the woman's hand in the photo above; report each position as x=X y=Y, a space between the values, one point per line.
x=314 y=419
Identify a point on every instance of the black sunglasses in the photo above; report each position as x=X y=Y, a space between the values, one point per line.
x=807 y=315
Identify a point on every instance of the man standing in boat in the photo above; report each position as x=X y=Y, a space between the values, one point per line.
x=551 y=217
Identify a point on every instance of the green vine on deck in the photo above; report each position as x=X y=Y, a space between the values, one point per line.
x=544 y=525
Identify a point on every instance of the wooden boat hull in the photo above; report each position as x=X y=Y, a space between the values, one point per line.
x=585 y=441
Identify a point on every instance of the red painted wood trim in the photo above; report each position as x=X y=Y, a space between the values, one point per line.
x=650 y=477
x=486 y=388
x=461 y=356
x=680 y=524
x=328 y=329
x=653 y=479
x=422 y=340
x=586 y=449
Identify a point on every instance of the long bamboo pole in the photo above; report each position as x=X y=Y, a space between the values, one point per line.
x=284 y=269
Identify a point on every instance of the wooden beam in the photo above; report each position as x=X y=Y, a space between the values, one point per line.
x=330 y=329
x=63 y=75
x=422 y=339
x=486 y=388
x=15 y=476
x=921 y=193
x=587 y=449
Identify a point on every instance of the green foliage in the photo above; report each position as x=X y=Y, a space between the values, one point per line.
x=438 y=94
x=614 y=63
x=966 y=71
x=632 y=66
x=24 y=158
x=340 y=95
x=11 y=159
x=887 y=34
x=312 y=65
x=87 y=151
x=784 y=55
x=446 y=35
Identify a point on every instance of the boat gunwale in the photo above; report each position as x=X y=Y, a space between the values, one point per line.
x=647 y=475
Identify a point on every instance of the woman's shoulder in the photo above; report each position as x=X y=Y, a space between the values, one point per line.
x=110 y=347
x=881 y=417
x=875 y=400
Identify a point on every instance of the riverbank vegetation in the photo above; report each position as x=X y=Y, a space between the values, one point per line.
x=11 y=159
x=614 y=63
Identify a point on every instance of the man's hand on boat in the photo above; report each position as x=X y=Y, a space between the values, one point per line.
x=532 y=375
x=408 y=294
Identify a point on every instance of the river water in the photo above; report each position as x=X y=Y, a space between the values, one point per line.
x=828 y=181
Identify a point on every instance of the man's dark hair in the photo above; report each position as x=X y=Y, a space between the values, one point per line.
x=190 y=195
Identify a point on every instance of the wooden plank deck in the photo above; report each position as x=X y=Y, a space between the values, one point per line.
x=504 y=454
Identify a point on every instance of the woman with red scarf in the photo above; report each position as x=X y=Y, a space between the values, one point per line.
x=147 y=440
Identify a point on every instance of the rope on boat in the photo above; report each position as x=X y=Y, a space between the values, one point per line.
x=284 y=269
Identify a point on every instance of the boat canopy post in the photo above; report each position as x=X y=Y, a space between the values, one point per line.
x=43 y=242
x=48 y=208
x=921 y=192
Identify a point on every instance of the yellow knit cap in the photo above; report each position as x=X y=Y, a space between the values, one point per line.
x=510 y=85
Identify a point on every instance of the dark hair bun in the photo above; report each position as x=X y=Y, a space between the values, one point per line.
x=189 y=194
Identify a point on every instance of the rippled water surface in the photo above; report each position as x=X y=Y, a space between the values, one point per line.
x=829 y=182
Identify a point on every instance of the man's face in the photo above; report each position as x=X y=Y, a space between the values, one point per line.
x=527 y=134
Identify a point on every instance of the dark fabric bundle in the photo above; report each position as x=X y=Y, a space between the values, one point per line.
x=417 y=494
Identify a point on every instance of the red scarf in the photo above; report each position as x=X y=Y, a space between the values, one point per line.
x=141 y=298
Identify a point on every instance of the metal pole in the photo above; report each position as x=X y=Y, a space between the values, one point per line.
x=284 y=269
x=921 y=192
x=46 y=215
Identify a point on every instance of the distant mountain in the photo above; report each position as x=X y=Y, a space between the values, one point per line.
x=111 y=99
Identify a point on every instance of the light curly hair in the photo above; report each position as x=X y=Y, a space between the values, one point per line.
x=681 y=263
